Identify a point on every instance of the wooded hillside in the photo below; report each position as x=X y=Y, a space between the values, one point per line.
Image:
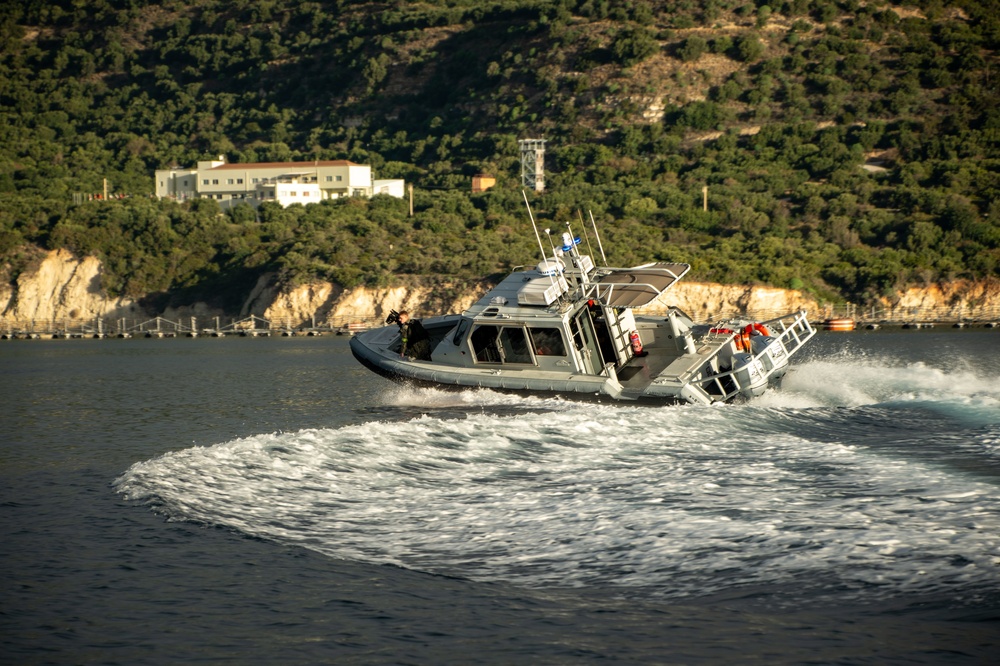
x=849 y=147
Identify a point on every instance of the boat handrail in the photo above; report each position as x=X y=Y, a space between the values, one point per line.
x=799 y=330
x=717 y=379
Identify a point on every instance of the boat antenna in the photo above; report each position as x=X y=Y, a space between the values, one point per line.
x=574 y=240
x=533 y=225
x=548 y=234
x=590 y=250
x=597 y=235
x=538 y=237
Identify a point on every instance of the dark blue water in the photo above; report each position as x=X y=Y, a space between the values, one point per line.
x=269 y=501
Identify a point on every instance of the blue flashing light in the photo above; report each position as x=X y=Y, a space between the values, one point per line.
x=567 y=248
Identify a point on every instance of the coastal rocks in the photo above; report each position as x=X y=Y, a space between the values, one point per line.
x=295 y=307
x=324 y=302
x=957 y=300
x=61 y=287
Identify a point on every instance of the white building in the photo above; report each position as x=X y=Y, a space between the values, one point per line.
x=282 y=182
x=394 y=188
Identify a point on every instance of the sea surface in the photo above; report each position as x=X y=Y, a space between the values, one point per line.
x=270 y=501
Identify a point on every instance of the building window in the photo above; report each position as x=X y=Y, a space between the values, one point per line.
x=239 y=181
x=229 y=182
x=205 y=182
x=329 y=179
x=215 y=181
x=340 y=178
x=185 y=182
x=255 y=180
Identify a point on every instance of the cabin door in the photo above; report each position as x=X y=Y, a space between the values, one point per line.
x=585 y=341
x=620 y=324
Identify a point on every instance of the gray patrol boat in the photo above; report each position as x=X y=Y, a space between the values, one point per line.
x=567 y=327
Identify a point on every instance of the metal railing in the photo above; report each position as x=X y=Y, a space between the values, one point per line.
x=794 y=332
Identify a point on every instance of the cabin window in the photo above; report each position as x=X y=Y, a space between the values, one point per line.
x=547 y=341
x=514 y=345
x=484 y=344
x=500 y=344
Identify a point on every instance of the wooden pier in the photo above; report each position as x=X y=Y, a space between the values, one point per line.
x=189 y=327
x=255 y=326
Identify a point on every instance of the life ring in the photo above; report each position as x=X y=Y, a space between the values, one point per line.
x=760 y=328
x=727 y=331
x=743 y=339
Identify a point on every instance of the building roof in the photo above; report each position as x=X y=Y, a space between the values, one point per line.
x=284 y=165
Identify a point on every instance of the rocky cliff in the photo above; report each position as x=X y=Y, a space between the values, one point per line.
x=65 y=288
x=61 y=286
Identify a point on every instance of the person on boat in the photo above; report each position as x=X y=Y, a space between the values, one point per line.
x=414 y=341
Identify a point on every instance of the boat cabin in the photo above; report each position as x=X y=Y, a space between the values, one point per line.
x=563 y=316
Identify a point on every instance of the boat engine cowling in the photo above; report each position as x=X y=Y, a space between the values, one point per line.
x=750 y=374
x=772 y=354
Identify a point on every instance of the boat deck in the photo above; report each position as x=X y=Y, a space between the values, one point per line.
x=641 y=370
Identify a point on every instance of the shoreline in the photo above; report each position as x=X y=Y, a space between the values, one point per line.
x=256 y=327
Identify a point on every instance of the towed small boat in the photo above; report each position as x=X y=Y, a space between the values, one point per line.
x=567 y=327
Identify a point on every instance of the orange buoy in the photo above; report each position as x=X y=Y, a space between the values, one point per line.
x=839 y=324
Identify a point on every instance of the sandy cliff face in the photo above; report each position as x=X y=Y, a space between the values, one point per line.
x=954 y=300
x=64 y=287
x=703 y=301
x=61 y=287
x=329 y=304
x=708 y=301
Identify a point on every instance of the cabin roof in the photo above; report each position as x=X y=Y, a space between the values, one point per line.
x=501 y=301
x=634 y=287
x=616 y=287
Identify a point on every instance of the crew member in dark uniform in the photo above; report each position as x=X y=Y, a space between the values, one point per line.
x=414 y=341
